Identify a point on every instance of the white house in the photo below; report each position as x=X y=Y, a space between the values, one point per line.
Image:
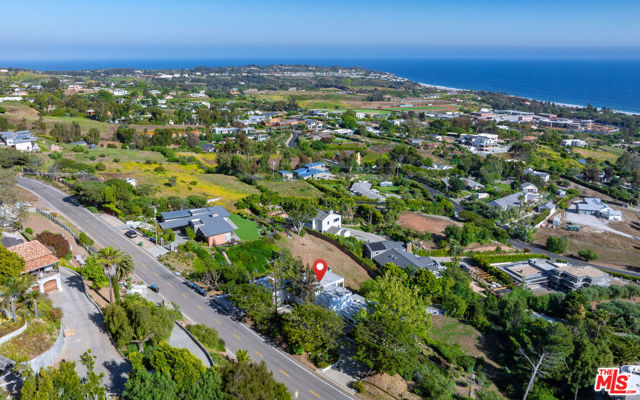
x=597 y=207
x=131 y=181
x=574 y=143
x=529 y=187
x=323 y=221
x=20 y=140
x=543 y=175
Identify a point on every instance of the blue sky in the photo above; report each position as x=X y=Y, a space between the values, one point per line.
x=38 y=29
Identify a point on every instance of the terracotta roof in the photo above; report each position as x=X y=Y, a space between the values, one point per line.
x=36 y=255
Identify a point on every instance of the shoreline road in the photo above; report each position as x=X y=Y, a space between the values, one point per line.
x=298 y=378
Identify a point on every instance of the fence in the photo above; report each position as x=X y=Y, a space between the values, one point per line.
x=61 y=224
x=345 y=250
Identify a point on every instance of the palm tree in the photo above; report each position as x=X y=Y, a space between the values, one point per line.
x=242 y=356
x=117 y=265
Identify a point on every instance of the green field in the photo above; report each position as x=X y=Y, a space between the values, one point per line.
x=290 y=188
x=247 y=229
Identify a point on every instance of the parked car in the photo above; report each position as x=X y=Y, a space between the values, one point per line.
x=154 y=288
x=131 y=234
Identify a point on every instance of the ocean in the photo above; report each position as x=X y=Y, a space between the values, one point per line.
x=603 y=83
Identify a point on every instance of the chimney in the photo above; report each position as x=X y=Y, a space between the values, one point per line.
x=409 y=246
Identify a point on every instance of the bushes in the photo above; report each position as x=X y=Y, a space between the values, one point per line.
x=588 y=255
x=556 y=244
x=29 y=231
x=207 y=336
x=85 y=240
x=55 y=240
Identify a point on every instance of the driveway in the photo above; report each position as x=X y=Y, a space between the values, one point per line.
x=85 y=330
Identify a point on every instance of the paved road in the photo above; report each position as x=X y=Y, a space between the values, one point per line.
x=435 y=192
x=293 y=139
x=237 y=336
x=81 y=316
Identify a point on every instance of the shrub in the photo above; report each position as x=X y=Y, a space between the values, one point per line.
x=207 y=336
x=588 y=255
x=101 y=167
x=116 y=160
x=556 y=244
x=112 y=146
x=358 y=386
x=55 y=240
x=29 y=231
x=84 y=239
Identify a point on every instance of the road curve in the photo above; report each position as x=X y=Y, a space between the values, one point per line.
x=298 y=378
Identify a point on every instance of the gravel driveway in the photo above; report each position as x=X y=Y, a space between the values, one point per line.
x=81 y=315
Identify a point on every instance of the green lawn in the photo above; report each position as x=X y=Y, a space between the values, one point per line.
x=247 y=229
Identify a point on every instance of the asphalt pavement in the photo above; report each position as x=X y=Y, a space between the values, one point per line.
x=298 y=378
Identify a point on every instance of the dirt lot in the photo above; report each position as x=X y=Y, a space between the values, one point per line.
x=422 y=223
x=31 y=198
x=39 y=223
x=310 y=248
x=613 y=250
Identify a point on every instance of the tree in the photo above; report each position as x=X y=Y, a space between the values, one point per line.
x=300 y=211
x=389 y=294
x=285 y=268
x=11 y=264
x=143 y=385
x=385 y=342
x=557 y=244
x=255 y=300
x=304 y=285
x=93 y=271
x=543 y=345
x=588 y=255
x=15 y=288
x=247 y=380
x=118 y=265
x=139 y=321
x=63 y=382
x=588 y=355
x=56 y=240
x=314 y=328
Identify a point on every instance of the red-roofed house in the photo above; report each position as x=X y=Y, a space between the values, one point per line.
x=41 y=263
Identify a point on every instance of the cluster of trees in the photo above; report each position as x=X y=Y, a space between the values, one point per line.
x=138 y=321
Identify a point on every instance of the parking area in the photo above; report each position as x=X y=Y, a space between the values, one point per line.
x=84 y=329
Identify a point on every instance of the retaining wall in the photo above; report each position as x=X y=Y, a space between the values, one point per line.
x=49 y=357
x=13 y=334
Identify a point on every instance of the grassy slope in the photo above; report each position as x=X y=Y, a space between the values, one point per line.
x=247 y=229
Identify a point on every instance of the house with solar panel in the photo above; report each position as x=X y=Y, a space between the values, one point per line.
x=211 y=224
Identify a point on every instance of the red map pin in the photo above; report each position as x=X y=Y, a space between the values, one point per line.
x=320 y=268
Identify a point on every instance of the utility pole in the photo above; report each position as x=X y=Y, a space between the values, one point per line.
x=155 y=223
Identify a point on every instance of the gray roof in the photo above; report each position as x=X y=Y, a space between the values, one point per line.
x=507 y=202
x=591 y=204
x=219 y=210
x=384 y=245
x=212 y=226
x=403 y=259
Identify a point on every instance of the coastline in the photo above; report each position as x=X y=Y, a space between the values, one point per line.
x=565 y=105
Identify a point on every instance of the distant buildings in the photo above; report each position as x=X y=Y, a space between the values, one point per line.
x=574 y=143
x=131 y=181
x=211 y=223
x=597 y=207
x=542 y=175
x=20 y=140
x=481 y=142
x=559 y=276
x=317 y=170
x=515 y=200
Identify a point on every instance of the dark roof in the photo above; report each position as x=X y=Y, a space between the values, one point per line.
x=404 y=259
x=212 y=226
x=218 y=210
x=383 y=245
x=8 y=241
